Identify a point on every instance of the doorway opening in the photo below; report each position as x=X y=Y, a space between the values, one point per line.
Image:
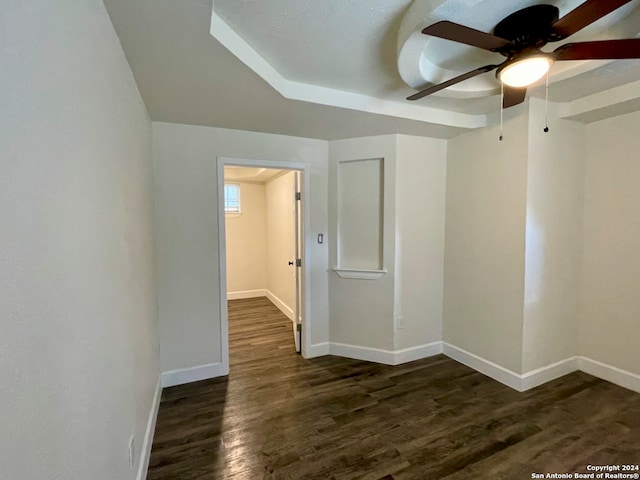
x=262 y=218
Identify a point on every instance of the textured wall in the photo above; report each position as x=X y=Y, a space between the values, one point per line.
x=362 y=310
x=187 y=232
x=246 y=241
x=280 y=239
x=421 y=167
x=485 y=239
x=610 y=306
x=555 y=195
x=78 y=342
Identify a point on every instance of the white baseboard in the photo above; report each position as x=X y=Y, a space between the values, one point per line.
x=611 y=374
x=367 y=354
x=147 y=442
x=193 y=374
x=283 y=307
x=490 y=369
x=416 y=353
x=318 y=350
x=246 y=294
x=545 y=374
x=550 y=372
x=387 y=357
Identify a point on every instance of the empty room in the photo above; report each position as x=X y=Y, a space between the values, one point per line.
x=319 y=239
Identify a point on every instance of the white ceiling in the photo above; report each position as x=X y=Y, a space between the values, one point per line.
x=235 y=173
x=348 y=45
x=329 y=68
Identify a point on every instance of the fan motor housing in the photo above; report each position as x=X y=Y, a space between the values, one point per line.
x=529 y=27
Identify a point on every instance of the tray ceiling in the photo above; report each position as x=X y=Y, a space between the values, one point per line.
x=332 y=68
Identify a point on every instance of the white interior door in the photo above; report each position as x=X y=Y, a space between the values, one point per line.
x=297 y=324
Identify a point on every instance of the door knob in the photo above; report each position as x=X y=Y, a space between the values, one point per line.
x=290 y=263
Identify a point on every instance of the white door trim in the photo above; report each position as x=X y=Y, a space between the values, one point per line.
x=305 y=168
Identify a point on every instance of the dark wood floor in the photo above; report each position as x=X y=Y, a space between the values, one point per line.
x=279 y=416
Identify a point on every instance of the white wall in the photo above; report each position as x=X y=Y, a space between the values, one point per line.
x=402 y=309
x=485 y=238
x=512 y=250
x=555 y=194
x=421 y=165
x=362 y=310
x=541 y=257
x=187 y=232
x=280 y=241
x=610 y=305
x=78 y=340
x=246 y=241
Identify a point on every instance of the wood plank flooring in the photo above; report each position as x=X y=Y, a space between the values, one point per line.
x=279 y=416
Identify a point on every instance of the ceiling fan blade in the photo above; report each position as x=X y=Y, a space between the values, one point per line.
x=513 y=96
x=584 y=15
x=599 y=50
x=469 y=36
x=453 y=81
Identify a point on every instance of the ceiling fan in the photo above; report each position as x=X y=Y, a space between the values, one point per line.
x=520 y=37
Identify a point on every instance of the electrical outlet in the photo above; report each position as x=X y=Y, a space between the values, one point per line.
x=132 y=451
x=400 y=322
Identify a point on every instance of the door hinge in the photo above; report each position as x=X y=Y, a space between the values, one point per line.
x=298 y=327
x=298 y=196
x=298 y=262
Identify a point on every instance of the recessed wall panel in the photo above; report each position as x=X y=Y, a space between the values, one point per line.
x=360 y=213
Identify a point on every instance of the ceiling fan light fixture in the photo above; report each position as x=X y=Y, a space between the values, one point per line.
x=524 y=72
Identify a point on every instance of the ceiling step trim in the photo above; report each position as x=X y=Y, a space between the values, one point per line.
x=222 y=32
x=599 y=106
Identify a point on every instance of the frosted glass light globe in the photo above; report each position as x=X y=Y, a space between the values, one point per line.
x=522 y=73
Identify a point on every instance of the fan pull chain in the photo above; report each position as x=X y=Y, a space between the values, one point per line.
x=501 y=108
x=546 y=106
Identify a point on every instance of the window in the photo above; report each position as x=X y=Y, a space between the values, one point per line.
x=231 y=198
